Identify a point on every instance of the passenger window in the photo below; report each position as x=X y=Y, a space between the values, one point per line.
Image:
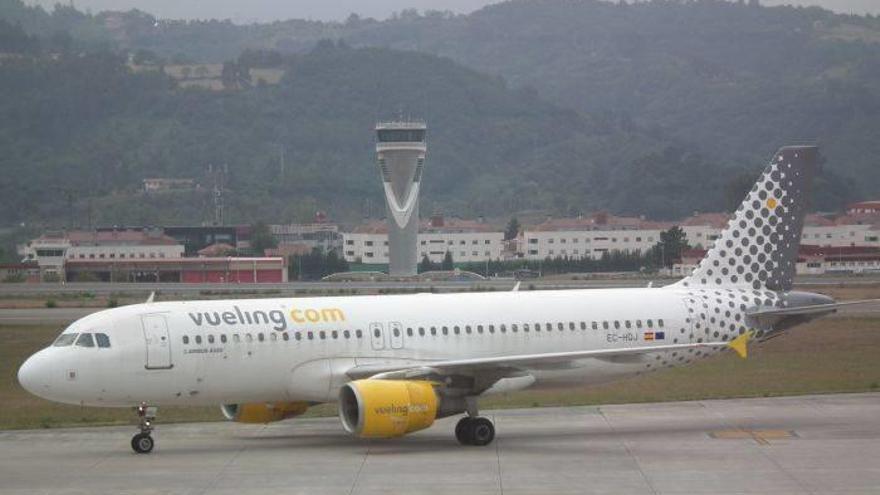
x=185 y=339
x=616 y=325
x=236 y=338
x=445 y=330
x=571 y=326
x=409 y=332
x=377 y=333
x=650 y=323
x=261 y=337
x=298 y=336
x=491 y=328
x=273 y=337
x=346 y=334
x=638 y=323
x=479 y=328
x=583 y=325
x=85 y=340
x=421 y=331
x=433 y=330
x=65 y=339
x=359 y=334
x=311 y=336
x=286 y=336
x=595 y=325
x=456 y=329
x=467 y=329
x=627 y=324
x=537 y=327
x=198 y=339
x=526 y=327
x=605 y=325
x=323 y=334
x=103 y=340
x=503 y=329
x=549 y=327
x=335 y=334
x=513 y=328
x=210 y=339
x=396 y=332
x=660 y=323
x=223 y=338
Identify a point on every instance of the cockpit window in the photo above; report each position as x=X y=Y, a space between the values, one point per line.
x=103 y=340
x=65 y=339
x=85 y=340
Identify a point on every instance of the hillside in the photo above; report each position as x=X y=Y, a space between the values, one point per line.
x=731 y=80
x=84 y=131
x=588 y=115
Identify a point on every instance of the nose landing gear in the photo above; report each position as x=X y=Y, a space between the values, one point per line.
x=142 y=443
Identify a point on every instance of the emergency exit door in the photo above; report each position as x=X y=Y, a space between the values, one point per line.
x=158 y=342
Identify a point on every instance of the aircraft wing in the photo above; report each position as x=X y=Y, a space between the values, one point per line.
x=811 y=309
x=502 y=364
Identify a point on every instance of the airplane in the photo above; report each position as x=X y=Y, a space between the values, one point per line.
x=396 y=363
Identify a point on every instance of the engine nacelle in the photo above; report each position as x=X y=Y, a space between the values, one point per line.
x=387 y=408
x=262 y=412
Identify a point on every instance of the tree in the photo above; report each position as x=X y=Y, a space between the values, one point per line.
x=512 y=230
x=426 y=265
x=447 y=262
x=262 y=238
x=668 y=251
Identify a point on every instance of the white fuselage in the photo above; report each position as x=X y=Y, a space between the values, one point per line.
x=239 y=351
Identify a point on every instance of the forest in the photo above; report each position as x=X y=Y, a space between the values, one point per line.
x=658 y=109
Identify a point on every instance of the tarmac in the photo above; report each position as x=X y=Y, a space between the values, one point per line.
x=810 y=444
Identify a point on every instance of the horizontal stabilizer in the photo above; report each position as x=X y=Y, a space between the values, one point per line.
x=810 y=309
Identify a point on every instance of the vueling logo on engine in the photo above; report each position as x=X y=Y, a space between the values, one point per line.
x=396 y=410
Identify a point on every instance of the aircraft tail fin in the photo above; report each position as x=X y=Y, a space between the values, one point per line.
x=758 y=249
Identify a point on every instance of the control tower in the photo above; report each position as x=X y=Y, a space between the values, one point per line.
x=400 y=150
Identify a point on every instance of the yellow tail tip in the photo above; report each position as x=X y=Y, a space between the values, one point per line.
x=740 y=345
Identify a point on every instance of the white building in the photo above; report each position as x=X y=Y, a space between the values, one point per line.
x=601 y=233
x=52 y=250
x=467 y=241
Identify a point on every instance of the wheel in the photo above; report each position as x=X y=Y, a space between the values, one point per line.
x=461 y=430
x=142 y=443
x=481 y=431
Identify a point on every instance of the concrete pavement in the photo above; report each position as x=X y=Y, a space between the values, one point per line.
x=812 y=444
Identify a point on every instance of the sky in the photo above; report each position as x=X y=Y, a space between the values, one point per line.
x=243 y=11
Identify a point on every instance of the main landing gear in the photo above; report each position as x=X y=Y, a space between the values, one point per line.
x=475 y=431
x=142 y=443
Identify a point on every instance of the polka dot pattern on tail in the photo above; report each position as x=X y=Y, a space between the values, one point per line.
x=758 y=249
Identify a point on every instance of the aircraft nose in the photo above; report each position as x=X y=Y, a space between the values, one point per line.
x=32 y=375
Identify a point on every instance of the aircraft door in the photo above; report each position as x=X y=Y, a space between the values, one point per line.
x=158 y=342
x=377 y=336
x=396 y=330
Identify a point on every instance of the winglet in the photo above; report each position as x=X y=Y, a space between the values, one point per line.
x=151 y=298
x=740 y=345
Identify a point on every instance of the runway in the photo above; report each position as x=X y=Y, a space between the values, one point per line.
x=811 y=444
